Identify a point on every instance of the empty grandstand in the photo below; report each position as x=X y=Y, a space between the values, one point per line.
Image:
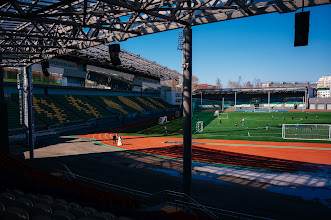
x=255 y=99
x=81 y=163
x=127 y=91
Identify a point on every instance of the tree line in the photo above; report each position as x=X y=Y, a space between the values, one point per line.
x=176 y=85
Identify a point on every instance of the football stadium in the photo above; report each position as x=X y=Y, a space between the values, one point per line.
x=90 y=131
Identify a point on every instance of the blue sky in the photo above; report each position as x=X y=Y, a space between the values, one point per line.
x=254 y=47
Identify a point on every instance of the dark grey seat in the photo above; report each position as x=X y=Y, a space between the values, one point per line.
x=62 y=215
x=21 y=212
x=7 y=195
x=74 y=205
x=15 y=192
x=46 y=197
x=24 y=203
x=41 y=217
x=2 y=207
x=10 y=216
x=40 y=209
x=90 y=210
x=79 y=212
x=104 y=216
x=87 y=218
x=60 y=206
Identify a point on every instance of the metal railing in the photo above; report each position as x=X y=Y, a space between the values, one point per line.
x=177 y=199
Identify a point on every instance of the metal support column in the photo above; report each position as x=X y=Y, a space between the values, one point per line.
x=305 y=106
x=187 y=109
x=269 y=100
x=4 y=146
x=201 y=101
x=223 y=104
x=30 y=112
x=235 y=100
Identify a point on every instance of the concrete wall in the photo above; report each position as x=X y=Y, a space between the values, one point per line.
x=320 y=103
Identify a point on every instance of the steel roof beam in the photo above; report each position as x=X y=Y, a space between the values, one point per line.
x=30 y=36
x=140 y=10
x=243 y=7
x=50 y=7
x=16 y=17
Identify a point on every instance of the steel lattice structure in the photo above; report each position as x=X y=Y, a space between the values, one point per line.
x=33 y=30
x=99 y=55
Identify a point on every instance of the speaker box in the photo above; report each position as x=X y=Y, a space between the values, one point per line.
x=301 y=28
x=114 y=50
x=44 y=68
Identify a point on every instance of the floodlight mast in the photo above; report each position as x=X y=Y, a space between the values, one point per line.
x=187 y=109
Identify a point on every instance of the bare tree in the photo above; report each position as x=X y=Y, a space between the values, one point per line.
x=218 y=83
x=248 y=84
x=239 y=82
x=232 y=84
x=195 y=82
x=257 y=83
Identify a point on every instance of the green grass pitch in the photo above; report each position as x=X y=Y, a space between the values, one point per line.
x=254 y=129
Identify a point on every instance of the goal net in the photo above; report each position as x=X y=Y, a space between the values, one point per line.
x=223 y=116
x=262 y=109
x=162 y=120
x=306 y=131
x=199 y=126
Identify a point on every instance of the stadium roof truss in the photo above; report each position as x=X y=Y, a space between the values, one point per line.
x=33 y=30
x=100 y=54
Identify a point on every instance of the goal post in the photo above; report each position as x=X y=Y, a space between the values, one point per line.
x=199 y=126
x=223 y=116
x=262 y=109
x=306 y=131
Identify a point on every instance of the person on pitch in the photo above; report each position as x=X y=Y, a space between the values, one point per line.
x=114 y=138
x=119 y=142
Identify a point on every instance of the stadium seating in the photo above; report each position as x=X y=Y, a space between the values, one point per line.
x=131 y=104
x=18 y=175
x=29 y=194
x=63 y=110
x=14 y=123
x=13 y=116
x=15 y=204
x=146 y=104
x=52 y=113
x=110 y=104
x=162 y=103
x=152 y=104
x=82 y=106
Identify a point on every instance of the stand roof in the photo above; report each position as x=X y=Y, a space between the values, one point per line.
x=33 y=30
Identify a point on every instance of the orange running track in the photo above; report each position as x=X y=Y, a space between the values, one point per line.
x=317 y=153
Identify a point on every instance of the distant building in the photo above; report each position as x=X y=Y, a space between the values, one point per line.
x=172 y=97
x=289 y=85
x=323 y=87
